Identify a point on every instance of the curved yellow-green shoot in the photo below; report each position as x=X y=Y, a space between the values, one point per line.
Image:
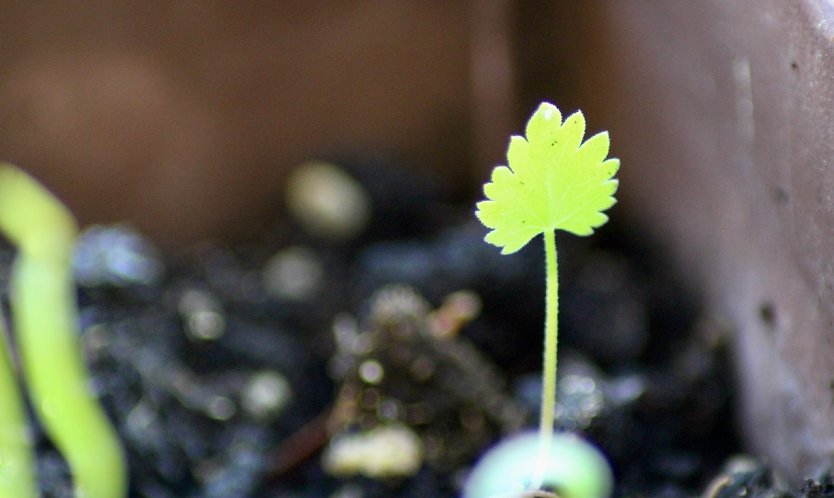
x=17 y=475
x=45 y=320
x=553 y=181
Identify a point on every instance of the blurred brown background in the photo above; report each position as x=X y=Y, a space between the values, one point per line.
x=183 y=117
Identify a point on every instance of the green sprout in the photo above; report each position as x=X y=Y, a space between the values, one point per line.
x=45 y=318
x=553 y=181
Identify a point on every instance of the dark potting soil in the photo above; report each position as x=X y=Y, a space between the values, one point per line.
x=236 y=371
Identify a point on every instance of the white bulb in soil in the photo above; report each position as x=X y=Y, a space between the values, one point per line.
x=381 y=453
x=574 y=469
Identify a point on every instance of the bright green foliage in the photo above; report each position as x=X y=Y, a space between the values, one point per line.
x=45 y=322
x=554 y=181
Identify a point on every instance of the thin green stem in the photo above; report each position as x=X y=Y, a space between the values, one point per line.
x=551 y=342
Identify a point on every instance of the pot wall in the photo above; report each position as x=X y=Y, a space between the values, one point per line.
x=183 y=117
x=722 y=114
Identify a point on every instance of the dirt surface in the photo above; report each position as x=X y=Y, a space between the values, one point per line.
x=238 y=371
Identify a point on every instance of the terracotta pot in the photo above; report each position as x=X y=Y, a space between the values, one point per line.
x=182 y=118
x=722 y=114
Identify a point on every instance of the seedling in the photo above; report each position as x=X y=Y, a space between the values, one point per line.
x=553 y=181
x=45 y=320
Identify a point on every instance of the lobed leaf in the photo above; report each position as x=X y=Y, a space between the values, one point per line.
x=553 y=181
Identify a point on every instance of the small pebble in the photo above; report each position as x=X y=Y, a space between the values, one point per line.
x=579 y=401
x=220 y=408
x=382 y=452
x=266 y=394
x=295 y=273
x=141 y=419
x=625 y=389
x=115 y=256
x=327 y=202
x=371 y=372
x=97 y=339
x=202 y=314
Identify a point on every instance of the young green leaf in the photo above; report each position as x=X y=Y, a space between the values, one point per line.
x=553 y=181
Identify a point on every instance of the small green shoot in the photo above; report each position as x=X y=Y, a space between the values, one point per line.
x=553 y=181
x=45 y=321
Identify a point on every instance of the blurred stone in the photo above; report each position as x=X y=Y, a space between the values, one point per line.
x=115 y=255
x=382 y=452
x=327 y=202
x=265 y=395
x=202 y=314
x=294 y=273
